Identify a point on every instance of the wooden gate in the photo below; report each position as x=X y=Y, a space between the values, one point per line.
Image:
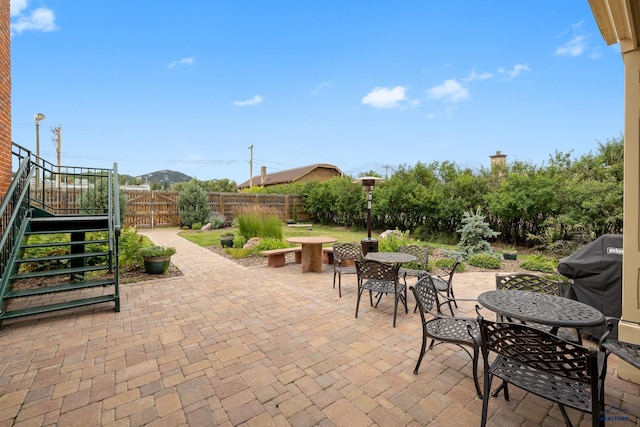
x=152 y=209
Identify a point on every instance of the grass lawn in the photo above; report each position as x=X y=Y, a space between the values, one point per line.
x=342 y=234
x=212 y=238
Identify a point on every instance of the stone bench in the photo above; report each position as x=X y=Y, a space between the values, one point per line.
x=275 y=257
x=327 y=255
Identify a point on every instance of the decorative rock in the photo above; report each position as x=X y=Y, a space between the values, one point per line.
x=254 y=241
x=206 y=227
x=387 y=233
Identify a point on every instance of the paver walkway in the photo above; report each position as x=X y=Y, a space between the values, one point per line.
x=226 y=345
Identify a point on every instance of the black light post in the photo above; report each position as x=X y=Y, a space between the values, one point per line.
x=368 y=182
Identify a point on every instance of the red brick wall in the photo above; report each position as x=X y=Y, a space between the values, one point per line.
x=5 y=98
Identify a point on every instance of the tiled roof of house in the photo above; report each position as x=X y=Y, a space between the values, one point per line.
x=287 y=176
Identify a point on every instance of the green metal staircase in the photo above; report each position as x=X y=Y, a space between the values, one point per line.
x=77 y=210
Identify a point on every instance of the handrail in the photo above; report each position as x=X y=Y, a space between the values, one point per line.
x=13 y=211
x=69 y=190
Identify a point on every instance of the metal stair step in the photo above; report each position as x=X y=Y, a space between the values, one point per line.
x=61 y=287
x=59 y=306
x=62 y=256
x=67 y=231
x=59 y=272
x=79 y=242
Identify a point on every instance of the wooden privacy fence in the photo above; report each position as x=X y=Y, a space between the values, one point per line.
x=156 y=209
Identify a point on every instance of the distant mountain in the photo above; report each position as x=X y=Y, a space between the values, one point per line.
x=159 y=176
x=165 y=176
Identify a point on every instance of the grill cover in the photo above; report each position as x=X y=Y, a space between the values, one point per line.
x=596 y=270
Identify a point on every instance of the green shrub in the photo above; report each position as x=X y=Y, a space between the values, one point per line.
x=239 y=241
x=217 y=220
x=446 y=264
x=259 y=221
x=267 y=244
x=129 y=245
x=473 y=234
x=237 y=253
x=392 y=241
x=485 y=261
x=193 y=204
x=196 y=226
x=540 y=263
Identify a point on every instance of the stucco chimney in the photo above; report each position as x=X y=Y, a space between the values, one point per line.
x=263 y=175
x=498 y=160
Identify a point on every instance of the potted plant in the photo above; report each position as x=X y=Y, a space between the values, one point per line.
x=157 y=258
x=226 y=240
x=510 y=254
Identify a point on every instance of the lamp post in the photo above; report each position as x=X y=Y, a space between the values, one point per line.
x=37 y=119
x=368 y=182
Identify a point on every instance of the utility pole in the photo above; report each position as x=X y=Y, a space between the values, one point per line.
x=57 y=141
x=386 y=171
x=251 y=166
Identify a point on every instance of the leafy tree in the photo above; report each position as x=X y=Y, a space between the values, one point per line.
x=193 y=204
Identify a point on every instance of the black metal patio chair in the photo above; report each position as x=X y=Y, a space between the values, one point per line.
x=381 y=279
x=441 y=328
x=626 y=351
x=344 y=257
x=419 y=267
x=543 y=364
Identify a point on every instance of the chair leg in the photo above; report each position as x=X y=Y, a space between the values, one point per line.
x=565 y=415
x=450 y=308
x=475 y=372
x=358 y=301
x=395 y=311
x=404 y=300
x=379 y=298
x=339 y=285
x=452 y=296
x=485 y=399
x=423 y=350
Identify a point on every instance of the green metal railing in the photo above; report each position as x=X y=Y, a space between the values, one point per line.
x=40 y=188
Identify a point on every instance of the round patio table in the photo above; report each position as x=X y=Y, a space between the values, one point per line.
x=390 y=257
x=541 y=308
x=311 y=255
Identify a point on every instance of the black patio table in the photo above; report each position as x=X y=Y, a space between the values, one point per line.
x=390 y=257
x=541 y=308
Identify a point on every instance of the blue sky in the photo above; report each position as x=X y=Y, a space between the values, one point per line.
x=364 y=85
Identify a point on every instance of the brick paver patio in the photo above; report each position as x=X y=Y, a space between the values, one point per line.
x=227 y=345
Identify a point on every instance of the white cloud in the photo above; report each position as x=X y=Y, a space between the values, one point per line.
x=578 y=43
x=450 y=91
x=184 y=61
x=41 y=19
x=321 y=87
x=574 y=47
x=383 y=97
x=17 y=6
x=515 y=71
x=249 y=102
x=473 y=75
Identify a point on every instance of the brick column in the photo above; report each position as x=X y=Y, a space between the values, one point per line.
x=5 y=98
